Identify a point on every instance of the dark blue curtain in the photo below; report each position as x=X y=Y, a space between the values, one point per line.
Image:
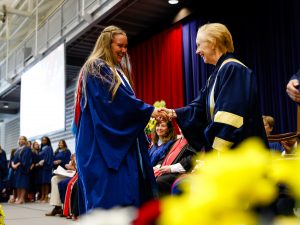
x=195 y=72
x=268 y=43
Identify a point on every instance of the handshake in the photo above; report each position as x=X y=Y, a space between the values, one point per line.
x=163 y=114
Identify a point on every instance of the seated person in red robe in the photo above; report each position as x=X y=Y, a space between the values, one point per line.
x=178 y=161
x=71 y=210
x=57 y=191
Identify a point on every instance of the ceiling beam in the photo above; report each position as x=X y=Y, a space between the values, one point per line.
x=9 y=111
x=8 y=10
x=13 y=100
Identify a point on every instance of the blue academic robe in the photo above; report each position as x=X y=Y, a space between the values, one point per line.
x=276 y=147
x=296 y=76
x=3 y=169
x=158 y=152
x=33 y=175
x=24 y=156
x=64 y=156
x=111 y=146
x=227 y=110
x=45 y=171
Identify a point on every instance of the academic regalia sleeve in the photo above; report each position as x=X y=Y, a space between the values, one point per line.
x=66 y=158
x=276 y=146
x=296 y=76
x=3 y=164
x=192 y=121
x=157 y=153
x=235 y=100
x=115 y=122
x=187 y=161
x=48 y=157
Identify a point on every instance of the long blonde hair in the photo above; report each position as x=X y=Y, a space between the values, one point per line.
x=102 y=50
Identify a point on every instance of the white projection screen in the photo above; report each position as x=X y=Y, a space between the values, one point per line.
x=42 y=108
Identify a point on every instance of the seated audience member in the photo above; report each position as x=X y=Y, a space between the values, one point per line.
x=287 y=143
x=268 y=123
x=177 y=162
x=269 y=126
x=62 y=155
x=71 y=210
x=67 y=192
x=163 y=137
x=289 y=146
x=55 y=197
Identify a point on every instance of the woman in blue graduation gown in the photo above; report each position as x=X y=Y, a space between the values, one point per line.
x=45 y=166
x=163 y=137
x=3 y=169
x=62 y=155
x=21 y=164
x=227 y=111
x=111 y=146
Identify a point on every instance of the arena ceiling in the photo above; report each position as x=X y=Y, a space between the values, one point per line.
x=139 y=18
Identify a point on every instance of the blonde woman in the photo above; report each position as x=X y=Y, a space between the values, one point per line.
x=227 y=111
x=111 y=146
x=21 y=163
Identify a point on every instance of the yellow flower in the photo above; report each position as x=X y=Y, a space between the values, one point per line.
x=159 y=104
x=2 y=215
x=285 y=171
x=151 y=124
x=229 y=186
x=286 y=221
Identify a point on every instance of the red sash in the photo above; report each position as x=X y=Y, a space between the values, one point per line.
x=77 y=100
x=67 y=203
x=172 y=155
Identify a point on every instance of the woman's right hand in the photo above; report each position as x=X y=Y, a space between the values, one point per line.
x=170 y=113
x=159 y=115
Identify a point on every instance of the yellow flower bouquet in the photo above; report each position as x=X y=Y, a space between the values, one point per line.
x=230 y=186
x=2 y=215
x=151 y=124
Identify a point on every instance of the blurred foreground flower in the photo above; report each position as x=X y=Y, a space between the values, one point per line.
x=115 y=216
x=228 y=189
x=151 y=124
x=231 y=188
x=2 y=215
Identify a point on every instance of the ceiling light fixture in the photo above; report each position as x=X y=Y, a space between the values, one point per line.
x=173 y=2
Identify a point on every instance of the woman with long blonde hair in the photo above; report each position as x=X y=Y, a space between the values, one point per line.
x=111 y=146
